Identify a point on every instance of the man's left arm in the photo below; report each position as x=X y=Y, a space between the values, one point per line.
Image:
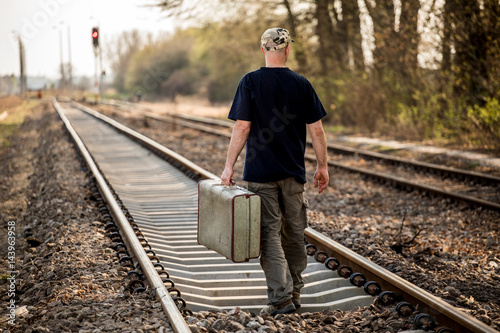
x=321 y=177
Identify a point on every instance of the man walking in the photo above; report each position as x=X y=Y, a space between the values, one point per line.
x=272 y=108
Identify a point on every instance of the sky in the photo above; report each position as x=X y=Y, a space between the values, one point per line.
x=39 y=23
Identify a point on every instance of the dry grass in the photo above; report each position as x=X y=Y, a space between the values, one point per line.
x=190 y=106
x=13 y=110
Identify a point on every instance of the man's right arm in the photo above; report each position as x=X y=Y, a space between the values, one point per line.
x=241 y=130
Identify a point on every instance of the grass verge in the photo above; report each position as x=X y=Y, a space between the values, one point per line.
x=16 y=112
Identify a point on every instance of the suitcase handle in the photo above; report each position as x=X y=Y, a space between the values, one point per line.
x=232 y=183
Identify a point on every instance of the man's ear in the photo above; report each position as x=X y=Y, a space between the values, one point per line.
x=287 y=49
x=262 y=49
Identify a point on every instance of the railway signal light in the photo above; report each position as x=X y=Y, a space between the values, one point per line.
x=95 y=36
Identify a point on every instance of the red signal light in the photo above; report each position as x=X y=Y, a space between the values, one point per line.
x=95 y=36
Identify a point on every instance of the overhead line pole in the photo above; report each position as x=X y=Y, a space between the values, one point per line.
x=22 y=75
x=70 y=69
x=63 y=77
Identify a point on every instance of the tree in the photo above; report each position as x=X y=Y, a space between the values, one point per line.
x=298 y=49
x=350 y=30
x=396 y=43
x=154 y=64
x=326 y=38
x=470 y=47
x=120 y=52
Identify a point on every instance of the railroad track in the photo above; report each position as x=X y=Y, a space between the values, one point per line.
x=154 y=202
x=473 y=188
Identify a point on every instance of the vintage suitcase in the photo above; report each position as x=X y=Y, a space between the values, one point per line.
x=229 y=220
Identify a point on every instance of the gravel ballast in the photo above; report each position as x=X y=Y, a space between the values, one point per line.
x=69 y=278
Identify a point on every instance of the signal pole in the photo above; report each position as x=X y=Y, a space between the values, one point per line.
x=101 y=84
x=95 y=42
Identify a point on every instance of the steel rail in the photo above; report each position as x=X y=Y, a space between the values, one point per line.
x=176 y=320
x=445 y=313
x=202 y=128
x=481 y=177
x=204 y=120
x=120 y=103
x=407 y=183
x=195 y=169
x=149 y=113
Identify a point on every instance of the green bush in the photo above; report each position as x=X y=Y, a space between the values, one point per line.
x=486 y=121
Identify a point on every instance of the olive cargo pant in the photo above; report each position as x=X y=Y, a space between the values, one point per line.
x=284 y=219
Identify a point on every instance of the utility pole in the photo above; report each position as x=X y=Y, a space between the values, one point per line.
x=70 y=69
x=22 y=75
x=23 y=67
x=63 y=76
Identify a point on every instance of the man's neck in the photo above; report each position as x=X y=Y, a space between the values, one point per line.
x=276 y=59
x=275 y=64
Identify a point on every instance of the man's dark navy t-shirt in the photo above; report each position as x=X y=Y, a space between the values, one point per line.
x=279 y=103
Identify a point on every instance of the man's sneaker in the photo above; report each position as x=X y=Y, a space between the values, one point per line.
x=296 y=299
x=273 y=310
